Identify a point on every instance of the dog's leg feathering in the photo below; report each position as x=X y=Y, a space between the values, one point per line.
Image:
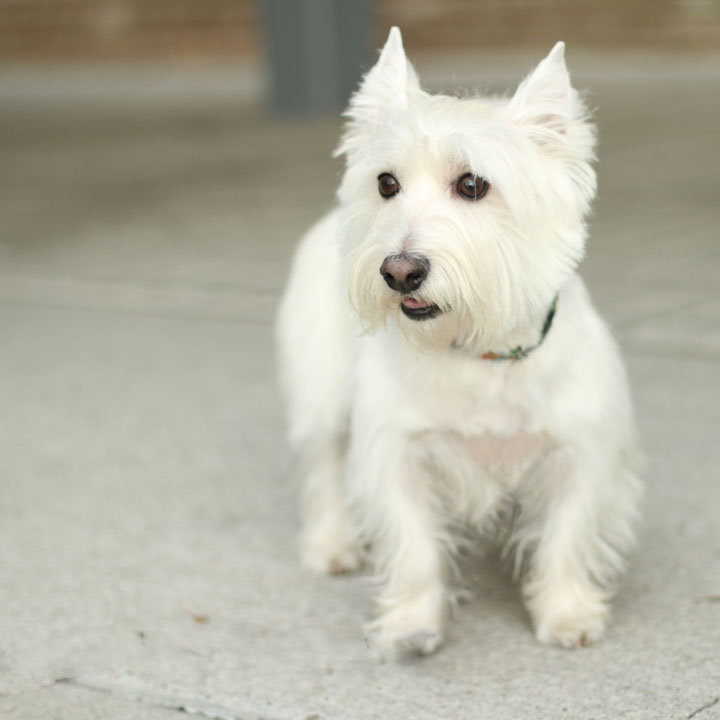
x=328 y=542
x=408 y=547
x=581 y=538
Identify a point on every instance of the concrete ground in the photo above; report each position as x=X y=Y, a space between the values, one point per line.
x=148 y=557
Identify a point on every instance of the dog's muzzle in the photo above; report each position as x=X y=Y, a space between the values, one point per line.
x=405 y=273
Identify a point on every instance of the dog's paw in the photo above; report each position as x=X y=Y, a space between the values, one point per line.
x=410 y=628
x=334 y=552
x=572 y=629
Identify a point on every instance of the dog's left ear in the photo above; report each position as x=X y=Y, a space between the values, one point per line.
x=543 y=104
x=551 y=113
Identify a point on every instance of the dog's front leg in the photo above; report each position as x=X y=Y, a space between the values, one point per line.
x=328 y=540
x=396 y=501
x=585 y=524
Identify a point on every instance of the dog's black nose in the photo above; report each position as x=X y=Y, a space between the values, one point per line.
x=405 y=272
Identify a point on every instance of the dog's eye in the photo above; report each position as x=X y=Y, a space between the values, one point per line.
x=388 y=185
x=472 y=187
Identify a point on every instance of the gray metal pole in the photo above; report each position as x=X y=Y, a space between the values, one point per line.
x=317 y=51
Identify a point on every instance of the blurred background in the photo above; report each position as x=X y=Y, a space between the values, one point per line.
x=133 y=127
x=208 y=30
x=278 y=41
x=159 y=160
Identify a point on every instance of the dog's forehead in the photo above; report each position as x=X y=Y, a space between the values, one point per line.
x=443 y=111
x=445 y=125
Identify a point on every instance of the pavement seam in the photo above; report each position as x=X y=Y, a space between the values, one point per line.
x=707 y=706
x=180 y=706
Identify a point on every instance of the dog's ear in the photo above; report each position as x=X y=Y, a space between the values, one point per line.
x=544 y=103
x=552 y=114
x=389 y=85
x=392 y=81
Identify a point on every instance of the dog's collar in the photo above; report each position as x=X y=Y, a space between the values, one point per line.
x=520 y=352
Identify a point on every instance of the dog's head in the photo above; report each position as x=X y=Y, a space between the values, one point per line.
x=462 y=217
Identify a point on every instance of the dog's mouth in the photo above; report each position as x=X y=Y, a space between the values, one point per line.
x=418 y=309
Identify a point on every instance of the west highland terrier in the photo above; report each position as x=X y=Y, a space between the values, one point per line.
x=442 y=359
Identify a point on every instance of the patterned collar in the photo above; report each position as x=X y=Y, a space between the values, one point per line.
x=520 y=352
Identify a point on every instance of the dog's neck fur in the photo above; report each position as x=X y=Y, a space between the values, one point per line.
x=515 y=350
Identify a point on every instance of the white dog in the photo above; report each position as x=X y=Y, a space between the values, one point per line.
x=441 y=356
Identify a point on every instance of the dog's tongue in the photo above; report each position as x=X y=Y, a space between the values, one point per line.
x=413 y=304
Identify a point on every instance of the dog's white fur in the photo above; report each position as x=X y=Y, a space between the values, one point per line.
x=402 y=430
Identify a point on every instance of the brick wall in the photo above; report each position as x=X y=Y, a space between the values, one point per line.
x=669 y=24
x=216 y=29
x=118 y=29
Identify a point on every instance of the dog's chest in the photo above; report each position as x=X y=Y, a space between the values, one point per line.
x=483 y=399
x=491 y=418
x=509 y=454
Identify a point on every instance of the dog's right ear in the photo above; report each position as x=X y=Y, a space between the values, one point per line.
x=390 y=83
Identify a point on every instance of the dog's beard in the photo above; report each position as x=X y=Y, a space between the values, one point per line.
x=375 y=304
x=436 y=333
x=484 y=299
x=453 y=326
